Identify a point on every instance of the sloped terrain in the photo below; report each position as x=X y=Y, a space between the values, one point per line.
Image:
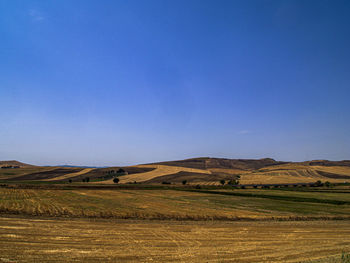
x=207 y=163
x=57 y=172
x=13 y=163
x=203 y=170
x=159 y=170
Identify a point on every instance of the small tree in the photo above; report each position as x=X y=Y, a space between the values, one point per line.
x=222 y=182
x=184 y=182
x=115 y=180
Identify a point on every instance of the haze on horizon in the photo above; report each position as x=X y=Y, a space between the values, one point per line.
x=127 y=82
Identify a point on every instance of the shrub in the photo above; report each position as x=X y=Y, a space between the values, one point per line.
x=87 y=179
x=255 y=186
x=222 y=182
x=83 y=180
x=328 y=184
x=184 y=182
x=115 y=180
x=198 y=186
x=70 y=181
x=166 y=182
x=242 y=187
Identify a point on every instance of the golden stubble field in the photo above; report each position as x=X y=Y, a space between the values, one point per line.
x=83 y=240
x=175 y=204
x=167 y=225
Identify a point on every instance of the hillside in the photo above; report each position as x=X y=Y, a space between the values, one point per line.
x=207 y=163
x=204 y=170
x=14 y=163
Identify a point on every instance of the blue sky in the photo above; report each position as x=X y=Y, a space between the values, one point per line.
x=126 y=82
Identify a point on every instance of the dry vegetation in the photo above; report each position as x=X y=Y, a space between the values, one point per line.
x=57 y=240
x=177 y=204
x=206 y=171
x=160 y=170
x=183 y=225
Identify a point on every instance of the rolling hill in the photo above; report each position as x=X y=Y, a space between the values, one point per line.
x=204 y=170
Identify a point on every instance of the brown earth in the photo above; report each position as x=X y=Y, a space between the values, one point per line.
x=48 y=174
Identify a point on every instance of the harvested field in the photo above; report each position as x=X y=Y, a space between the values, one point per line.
x=10 y=174
x=48 y=174
x=160 y=170
x=57 y=240
x=190 y=177
x=101 y=173
x=296 y=173
x=174 y=204
x=69 y=175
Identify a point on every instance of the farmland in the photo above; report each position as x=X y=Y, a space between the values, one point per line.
x=176 y=204
x=83 y=240
x=203 y=171
x=53 y=213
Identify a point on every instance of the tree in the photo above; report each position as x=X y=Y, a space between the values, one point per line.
x=87 y=179
x=184 y=182
x=70 y=181
x=328 y=184
x=222 y=182
x=115 y=180
x=83 y=180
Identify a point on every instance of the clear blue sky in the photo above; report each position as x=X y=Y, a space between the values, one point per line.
x=126 y=82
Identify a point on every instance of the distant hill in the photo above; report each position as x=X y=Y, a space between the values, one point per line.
x=207 y=163
x=14 y=163
x=328 y=163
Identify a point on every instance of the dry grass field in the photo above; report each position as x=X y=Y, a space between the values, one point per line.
x=82 y=240
x=255 y=204
x=70 y=175
x=160 y=170
x=56 y=223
